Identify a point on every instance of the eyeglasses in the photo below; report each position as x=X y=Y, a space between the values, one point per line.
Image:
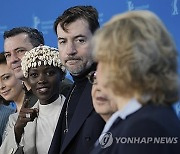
x=92 y=77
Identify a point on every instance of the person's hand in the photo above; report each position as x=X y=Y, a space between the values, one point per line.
x=25 y=115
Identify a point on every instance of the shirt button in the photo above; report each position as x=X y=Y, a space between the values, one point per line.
x=87 y=138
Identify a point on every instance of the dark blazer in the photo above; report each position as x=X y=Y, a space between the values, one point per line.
x=148 y=122
x=84 y=129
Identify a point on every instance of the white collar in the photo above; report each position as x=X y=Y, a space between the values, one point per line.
x=132 y=106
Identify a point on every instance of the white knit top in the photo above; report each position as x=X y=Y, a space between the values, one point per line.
x=46 y=124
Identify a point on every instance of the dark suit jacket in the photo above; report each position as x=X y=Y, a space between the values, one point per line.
x=148 y=122
x=85 y=127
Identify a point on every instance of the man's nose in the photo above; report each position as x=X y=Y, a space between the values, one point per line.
x=14 y=58
x=71 y=49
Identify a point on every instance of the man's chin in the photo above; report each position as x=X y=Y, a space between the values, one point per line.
x=79 y=68
x=73 y=70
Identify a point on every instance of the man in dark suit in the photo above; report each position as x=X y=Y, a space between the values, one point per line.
x=79 y=125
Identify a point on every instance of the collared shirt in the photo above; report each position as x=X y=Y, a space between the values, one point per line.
x=176 y=107
x=132 y=106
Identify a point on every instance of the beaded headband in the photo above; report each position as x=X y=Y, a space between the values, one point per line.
x=41 y=55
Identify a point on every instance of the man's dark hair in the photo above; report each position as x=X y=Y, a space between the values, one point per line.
x=36 y=37
x=70 y=15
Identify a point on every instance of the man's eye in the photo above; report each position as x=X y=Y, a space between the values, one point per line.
x=62 y=42
x=80 y=41
x=7 y=55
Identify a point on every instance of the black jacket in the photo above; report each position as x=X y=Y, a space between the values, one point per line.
x=85 y=125
x=147 y=131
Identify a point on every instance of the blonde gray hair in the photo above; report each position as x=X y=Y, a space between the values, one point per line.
x=140 y=55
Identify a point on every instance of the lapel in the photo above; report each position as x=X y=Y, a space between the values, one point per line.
x=97 y=149
x=83 y=109
x=54 y=147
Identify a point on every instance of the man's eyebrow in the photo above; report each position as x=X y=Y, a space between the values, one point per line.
x=6 y=52
x=20 y=48
x=59 y=38
x=80 y=35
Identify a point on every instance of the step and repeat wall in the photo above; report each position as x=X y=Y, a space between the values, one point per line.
x=41 y=14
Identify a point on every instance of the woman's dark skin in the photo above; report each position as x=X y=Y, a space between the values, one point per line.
x=45 y=83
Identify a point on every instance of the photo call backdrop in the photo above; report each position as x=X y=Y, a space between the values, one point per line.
x=41 y=14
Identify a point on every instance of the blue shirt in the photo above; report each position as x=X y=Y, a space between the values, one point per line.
x=4 y=116
x=12 y=105
x=176 y=107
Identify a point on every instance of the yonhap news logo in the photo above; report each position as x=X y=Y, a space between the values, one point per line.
x=106 y=140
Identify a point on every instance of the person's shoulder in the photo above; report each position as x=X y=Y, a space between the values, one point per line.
x=154 y=111
x=6 y=109
x=67 y=81
x=14 y=115
x=12 y=119
x=151 y=119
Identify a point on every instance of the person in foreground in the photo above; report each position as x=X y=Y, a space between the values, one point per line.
x=137 y=70
x=33 y=128
x=79 y=125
